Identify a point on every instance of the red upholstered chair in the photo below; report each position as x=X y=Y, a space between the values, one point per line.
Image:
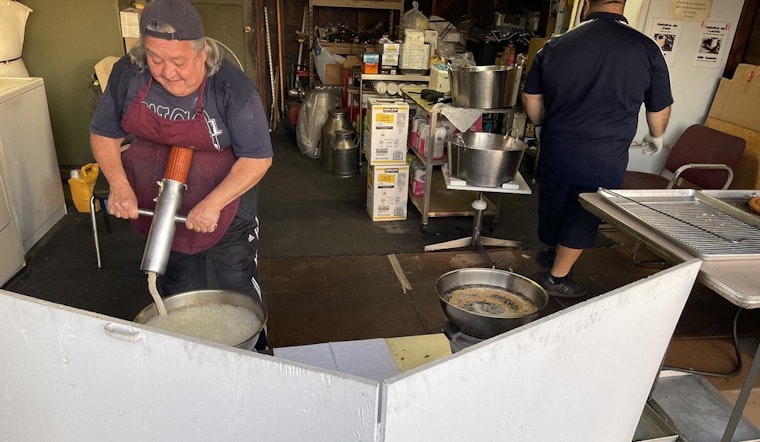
x=702 y=156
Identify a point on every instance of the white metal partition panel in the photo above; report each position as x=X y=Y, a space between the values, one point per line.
x=71 y=375
x=582 y=374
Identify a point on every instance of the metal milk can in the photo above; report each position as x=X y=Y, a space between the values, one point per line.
x=345 y=154
x=337 y=120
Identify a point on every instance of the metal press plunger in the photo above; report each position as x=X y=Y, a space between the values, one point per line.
x=171 y=190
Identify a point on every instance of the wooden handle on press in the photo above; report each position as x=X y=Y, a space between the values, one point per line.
x=178 y=165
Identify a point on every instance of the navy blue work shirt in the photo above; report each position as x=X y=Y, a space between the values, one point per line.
x=594 y=79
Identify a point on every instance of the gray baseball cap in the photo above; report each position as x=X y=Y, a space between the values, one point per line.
x=179 y=14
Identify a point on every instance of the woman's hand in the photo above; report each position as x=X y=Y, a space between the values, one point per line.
x=203 y=218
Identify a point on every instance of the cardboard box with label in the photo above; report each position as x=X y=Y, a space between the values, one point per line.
x=386 y=130
x=387 y=192
x=370 y=63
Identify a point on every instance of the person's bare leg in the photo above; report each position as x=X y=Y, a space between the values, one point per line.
x=564 y=261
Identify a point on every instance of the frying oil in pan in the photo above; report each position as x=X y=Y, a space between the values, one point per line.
x=489 y=300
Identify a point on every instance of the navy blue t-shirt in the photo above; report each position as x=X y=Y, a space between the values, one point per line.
x=594 y=79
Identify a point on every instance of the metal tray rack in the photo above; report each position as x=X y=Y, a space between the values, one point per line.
x=708 y=224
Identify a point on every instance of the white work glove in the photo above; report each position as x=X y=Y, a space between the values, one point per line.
x=651 y=145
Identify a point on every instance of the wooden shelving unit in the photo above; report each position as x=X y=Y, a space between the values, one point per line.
x=392 y=6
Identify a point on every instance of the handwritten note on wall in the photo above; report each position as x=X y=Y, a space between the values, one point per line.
x=690 y=10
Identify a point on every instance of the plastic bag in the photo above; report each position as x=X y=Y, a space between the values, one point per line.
x=311 y=117
x=414 y=19
x=464 y=60
x=323 y=57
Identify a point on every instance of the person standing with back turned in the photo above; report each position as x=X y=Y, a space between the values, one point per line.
x=585 y=89
x=175 y=88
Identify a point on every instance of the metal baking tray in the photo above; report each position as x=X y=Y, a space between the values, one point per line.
x=711 y=225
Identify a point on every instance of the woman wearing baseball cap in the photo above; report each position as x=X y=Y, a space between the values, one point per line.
x=175 y=88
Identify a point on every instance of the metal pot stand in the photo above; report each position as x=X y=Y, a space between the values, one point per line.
x=476 y=240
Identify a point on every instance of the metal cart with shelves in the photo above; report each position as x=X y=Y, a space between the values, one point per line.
x=438 y=200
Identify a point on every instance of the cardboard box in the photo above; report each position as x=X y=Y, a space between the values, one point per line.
x=747 y=172
x=737 y=100
x=129 y=43
x=414 y=36
x=414 y=57
x=387 y=192
x=333 y=74
x=431 y=38
x=390 y=48
x=389 y=60
x=386 y=129
x=130 y=23
x=352 y=61
x=439 y=79
x=370 y=63
x=747 y=73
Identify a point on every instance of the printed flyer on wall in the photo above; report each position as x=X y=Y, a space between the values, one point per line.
x=711 y=44
x=667 y=34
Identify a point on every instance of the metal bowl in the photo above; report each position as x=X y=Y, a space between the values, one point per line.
x=485 y=326
x=200 y=297
x=484 y=159
x=485 y=87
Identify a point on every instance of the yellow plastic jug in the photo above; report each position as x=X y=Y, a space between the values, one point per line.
x=82 y=183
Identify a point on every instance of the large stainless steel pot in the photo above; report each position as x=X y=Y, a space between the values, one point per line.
x=485 y=87
x=484 y=159
x=200 y=297
x=481 y=325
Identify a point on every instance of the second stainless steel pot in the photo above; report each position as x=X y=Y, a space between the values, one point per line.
x=485 y=87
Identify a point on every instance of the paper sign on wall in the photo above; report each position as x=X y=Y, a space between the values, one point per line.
x=690 y=10
x=711 y=44
x=667 y=34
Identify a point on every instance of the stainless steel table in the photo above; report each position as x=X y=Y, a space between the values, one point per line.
x=735 y=280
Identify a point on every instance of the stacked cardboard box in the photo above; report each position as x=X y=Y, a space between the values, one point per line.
x=386 y=127
x=735 y=110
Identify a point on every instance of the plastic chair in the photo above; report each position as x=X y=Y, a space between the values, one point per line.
x=702 y=158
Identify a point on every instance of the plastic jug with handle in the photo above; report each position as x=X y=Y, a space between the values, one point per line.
x=82 y=184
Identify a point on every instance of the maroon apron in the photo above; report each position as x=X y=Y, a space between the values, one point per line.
x=145 y=163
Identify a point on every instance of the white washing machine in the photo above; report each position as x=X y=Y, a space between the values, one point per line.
x=12 y=256
x=28 y=162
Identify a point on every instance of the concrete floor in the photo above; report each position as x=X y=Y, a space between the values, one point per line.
x=327 y=276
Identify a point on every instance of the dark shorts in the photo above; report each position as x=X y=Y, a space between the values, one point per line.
x=561 y=218
x=229 y=265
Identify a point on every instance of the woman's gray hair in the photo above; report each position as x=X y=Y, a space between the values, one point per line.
x=214 y=55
